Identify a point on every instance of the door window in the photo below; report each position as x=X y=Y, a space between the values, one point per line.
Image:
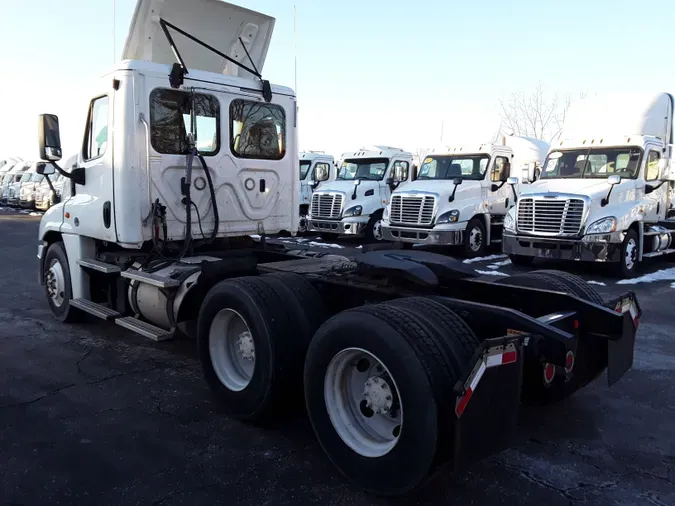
x=258 y=130
x=502 y=169
x=96 y=139
x=400 y=168
x=319 y=167
x=652 y=168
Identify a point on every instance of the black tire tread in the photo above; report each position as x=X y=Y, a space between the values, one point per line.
x=576 y=285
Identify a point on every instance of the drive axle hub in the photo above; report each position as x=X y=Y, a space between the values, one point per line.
x=377 y=395
x=245 y=346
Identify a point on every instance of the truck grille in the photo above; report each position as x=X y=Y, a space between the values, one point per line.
x=326 y=205
x=412 y=210
x=550 y=216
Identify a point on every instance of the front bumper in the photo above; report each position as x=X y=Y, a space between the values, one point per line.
x=27 y=203
x=435 y=236
x=601 y=249
x=13 y=201
x=345 y=226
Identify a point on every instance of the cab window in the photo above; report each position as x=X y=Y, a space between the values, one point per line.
x=170 y=122
x=404 y=167
x=652 y=168
x=96 y=138
x=258 y=130
x=502 y=169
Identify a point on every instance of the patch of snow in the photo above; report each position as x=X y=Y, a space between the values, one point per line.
x=491 y=273
x=672 y=285
x=255 y=237
x=324 y=245
x=300 y=239
x=591 y=282
x=483 y=259
x=34 y=213
x=499 y=264
x=662 y=275
x=359 y=247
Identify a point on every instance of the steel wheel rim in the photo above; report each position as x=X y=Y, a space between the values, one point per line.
x=347 y=387
x=631 y=250
x=377 y=230
x=55 y=283
x=475 y=239
x=232 y=349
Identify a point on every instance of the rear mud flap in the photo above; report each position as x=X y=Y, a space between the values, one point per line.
x=620 y=352
x=487 y=404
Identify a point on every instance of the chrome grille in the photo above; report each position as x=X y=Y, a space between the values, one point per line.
x=550 y=216
x=326 y=205
x=412 y=210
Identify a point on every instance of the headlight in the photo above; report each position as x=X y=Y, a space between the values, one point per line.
x=449 y=217
x=510 y=220
x=353 y=211
x=603 y=226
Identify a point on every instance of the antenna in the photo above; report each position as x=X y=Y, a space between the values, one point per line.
x=295 y=53
x=113 y=23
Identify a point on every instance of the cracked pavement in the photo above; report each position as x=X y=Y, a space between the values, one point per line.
x=94 y=414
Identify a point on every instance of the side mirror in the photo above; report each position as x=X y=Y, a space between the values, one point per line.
x=614 y=179
x=398 y=173
x=457 y=181
x=357 y=182
x=322 y=174
x=390 y=181
x=46 y=169
x=512 y=181
x=525 y=175
x=49 y=137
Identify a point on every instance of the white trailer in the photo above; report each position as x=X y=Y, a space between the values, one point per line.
x=179 y=165
x=460 y=195
x=312 y=162
x=606 y=188
x=353 y=204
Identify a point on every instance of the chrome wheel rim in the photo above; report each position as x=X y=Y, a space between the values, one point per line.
x=55 y=283
x=363 y=402
x=377 y=230
x=475 y=239
x=631 y=254
x=232 y=349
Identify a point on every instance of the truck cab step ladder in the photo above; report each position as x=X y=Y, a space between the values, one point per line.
x=96 y=265
x=658 y=253
x=97 y=310
x=145 y=329
x=151 y=279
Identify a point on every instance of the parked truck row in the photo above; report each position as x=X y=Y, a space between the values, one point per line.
x=404 y=360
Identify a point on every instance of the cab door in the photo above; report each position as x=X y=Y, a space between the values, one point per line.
x=656 y=200
x=90 y=210
x=499 y=194
x=399 y=171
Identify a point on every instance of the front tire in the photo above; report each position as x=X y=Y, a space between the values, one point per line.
x=374 y=228
x=57 y=284
x=475 y=238
x=628 y=261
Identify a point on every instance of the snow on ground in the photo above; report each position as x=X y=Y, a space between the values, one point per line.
x=591 y=282
x=499 y=264
x=662 y=275
x=323 y=245
x=255 y=237
x=484 y=259
x=491 y=273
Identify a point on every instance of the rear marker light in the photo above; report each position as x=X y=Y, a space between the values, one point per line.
x=549 y=373
x=569 y=362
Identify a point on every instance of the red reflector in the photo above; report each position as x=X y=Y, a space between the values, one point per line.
x=461 y=406
x=576 y=324
x=509 y=357
x=549 y=373
x=569 y=361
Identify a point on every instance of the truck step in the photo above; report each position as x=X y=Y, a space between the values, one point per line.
x=145 y=329
x=658 y=253
x=96 y=265
x=151 y=279
x=97 y=310
x=668 y=223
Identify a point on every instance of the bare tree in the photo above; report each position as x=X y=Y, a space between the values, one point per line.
x=419 y=155
x=535 y=114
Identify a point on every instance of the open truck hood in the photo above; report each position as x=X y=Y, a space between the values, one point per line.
x=215 y=23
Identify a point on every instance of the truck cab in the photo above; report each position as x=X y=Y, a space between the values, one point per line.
x=460 y=194
x=606 y=188
x=310 y=162
x=354 y=203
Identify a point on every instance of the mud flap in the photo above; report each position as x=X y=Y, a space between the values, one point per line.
x=620 y=351
x=487 y=402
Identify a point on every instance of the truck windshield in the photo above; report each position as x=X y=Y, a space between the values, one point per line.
x=592 y=163
x=470 y=167
x=37 y=178
x=304 y=168
x=363 y=168
x=25 y=177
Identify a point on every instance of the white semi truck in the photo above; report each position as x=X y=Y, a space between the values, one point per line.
x=606 y=188
x=310 y=163
x=460 y=195
x=181 y=163
x=353 y=204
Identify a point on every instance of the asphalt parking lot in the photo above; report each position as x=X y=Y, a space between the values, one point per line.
x=94 y=414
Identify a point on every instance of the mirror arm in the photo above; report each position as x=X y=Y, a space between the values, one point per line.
x=605 y=201
x=515 y=195
x=59 y=169
x=452 y=197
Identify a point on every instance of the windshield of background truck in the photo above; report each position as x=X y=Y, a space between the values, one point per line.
x=470 y=167
x=26 y=176
x=592 y=163
x=304 y=168
x=363 y=168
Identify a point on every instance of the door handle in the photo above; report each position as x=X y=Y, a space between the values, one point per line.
x=262 y=186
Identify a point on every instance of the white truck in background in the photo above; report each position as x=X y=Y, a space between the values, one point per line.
x=460 y=195
x=310 y=162
x=606 y=189
x=354 y=203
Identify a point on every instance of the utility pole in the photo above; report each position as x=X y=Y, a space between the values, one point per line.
x=295 y=52
x=113 y=23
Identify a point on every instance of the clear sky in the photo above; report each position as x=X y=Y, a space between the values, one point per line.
x=369 y=71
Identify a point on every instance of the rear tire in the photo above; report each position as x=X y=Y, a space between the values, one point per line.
x=58 y=287
x=274 y=322
x=521 y=260
x=411 y=355
x=590 y=352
